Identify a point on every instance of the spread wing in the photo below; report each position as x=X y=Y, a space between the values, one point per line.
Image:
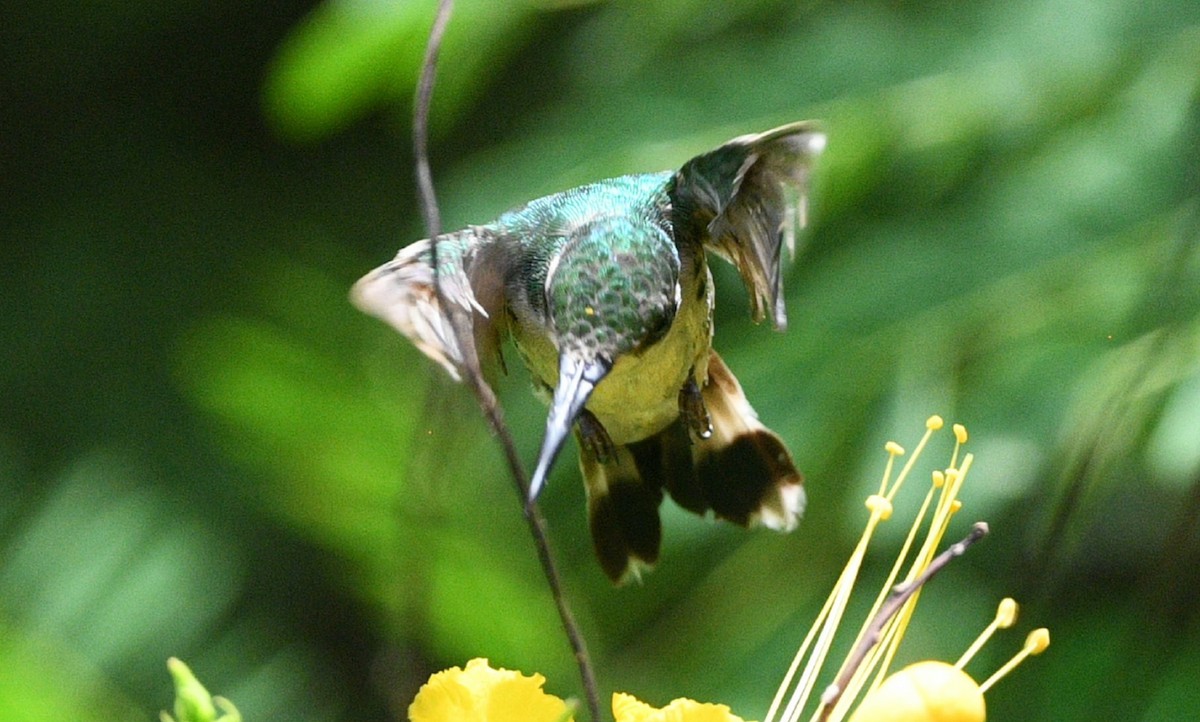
x=746 y=200
x=401 y=292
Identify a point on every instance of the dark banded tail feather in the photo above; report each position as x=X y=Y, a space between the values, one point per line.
x=742 y=473
x=622 y=514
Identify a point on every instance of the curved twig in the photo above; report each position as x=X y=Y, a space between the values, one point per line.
x=486 y=397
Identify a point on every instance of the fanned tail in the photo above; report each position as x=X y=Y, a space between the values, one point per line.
x=743 y=473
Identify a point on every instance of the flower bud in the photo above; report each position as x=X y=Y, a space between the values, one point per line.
x=924 y=692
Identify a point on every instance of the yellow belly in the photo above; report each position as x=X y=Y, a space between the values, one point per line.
x=640 y=396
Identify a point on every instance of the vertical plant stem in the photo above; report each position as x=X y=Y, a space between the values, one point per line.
x=462 y=326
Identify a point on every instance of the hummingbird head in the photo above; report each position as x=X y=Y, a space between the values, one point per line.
x=613 y=289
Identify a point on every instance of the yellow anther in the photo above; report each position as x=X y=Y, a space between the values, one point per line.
x=877 y=504
x=588 y=310
x=1006 y=613
x=893 y=448
x=939 y=479
x=933 y=423
x=1035 y=643
x=1038 y=640
x=955 y=505
x=960 y=433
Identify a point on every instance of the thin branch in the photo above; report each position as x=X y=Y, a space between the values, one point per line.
x=429 y=206
x=900 y=594
x=462 y=325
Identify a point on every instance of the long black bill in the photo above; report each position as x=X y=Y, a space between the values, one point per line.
x=576 y=381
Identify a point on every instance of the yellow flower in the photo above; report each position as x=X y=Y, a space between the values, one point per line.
x=927 y=691
x=924 y=692
x=627 y=708
x=482 y=694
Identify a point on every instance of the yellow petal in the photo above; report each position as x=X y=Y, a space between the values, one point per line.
x=627 y=708
x=482 y=694
x=444 y=697
x=924 y=692
x=686 y=710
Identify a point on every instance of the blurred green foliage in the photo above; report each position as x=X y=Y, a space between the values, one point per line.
x=205 y=452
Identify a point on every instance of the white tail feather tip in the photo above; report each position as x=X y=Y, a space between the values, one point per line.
x=782 y=510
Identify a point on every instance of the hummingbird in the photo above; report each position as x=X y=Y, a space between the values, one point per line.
x=606 y=292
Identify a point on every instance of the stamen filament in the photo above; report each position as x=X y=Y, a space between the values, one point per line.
x=900 y=595
x=932 y=424
x=827 y=622
x=800 y=653
x=960 y=438
x=1006 y=614
x=945 y=509
x=870 y=663
x=937 y=529
x=1035 y=643
x=879 y=657
x=893 y=450
x=878 y=639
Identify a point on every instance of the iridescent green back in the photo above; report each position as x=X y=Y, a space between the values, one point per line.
x=615 y=264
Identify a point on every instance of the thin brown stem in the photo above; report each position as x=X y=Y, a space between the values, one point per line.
x=462 y=325
x=429 y=206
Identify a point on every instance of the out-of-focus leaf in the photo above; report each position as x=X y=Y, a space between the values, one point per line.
x=330 y=442
x=45 y=682
x=103 y=580
x=352 y=56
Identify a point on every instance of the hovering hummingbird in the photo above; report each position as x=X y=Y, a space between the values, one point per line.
x=606 y=292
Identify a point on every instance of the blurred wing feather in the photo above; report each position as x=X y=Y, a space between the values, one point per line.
x=402 y=293
x=746 y=199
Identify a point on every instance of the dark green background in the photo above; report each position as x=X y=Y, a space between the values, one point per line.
x=206 y=452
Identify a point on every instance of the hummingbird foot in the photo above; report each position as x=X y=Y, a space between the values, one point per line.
x=594 y=438
x=693 y=411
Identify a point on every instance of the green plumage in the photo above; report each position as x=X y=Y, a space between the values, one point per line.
x=606 y=292
x=615 y=266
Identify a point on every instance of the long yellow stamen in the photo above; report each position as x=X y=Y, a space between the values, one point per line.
x=960 y=438
x=1035 y=643
x=893 y=450
x=894 y=630
x=870 y=666
x=827 y=622
x=875 y=655
x=948 y=504
x=1006 y=615
x=950 y=484
x=932 y=424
